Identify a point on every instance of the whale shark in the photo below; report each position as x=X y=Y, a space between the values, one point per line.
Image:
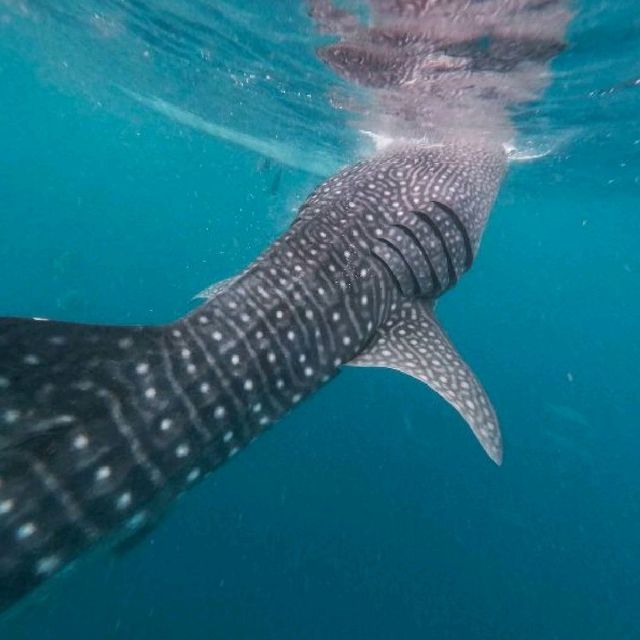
x=102 y=426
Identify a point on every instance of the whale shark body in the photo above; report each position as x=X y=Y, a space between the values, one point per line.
x=101 y=426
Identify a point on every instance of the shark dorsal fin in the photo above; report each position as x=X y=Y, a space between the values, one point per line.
x=413 y=342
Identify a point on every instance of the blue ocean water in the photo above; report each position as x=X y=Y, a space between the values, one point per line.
x=370 y=511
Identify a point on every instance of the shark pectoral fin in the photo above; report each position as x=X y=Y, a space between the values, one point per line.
x=413 y=342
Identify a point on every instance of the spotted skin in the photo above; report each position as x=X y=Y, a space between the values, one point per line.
x=100 y=426
x=413 y=342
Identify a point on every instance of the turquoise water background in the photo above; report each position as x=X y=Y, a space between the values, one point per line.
x=370 y=511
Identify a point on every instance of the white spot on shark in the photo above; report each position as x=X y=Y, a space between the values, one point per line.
x=103 y=473
x=25 y=530
x=123 y=501
x=194 y=474
x=81 y=441
x=11 y=416
x=6 y=506
x=182 y=451
x=47 y=565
